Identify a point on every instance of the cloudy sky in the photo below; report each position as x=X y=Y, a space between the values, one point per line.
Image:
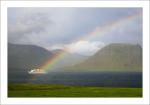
x=82 y=30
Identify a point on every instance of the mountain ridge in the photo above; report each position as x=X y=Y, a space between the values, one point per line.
x=113 y=57
x=27 y=57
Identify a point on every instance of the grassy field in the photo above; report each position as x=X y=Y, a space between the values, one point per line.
x=36 y=90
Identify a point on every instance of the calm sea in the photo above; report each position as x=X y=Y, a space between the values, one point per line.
x=101 y=79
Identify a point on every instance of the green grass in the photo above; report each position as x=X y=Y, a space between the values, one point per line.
x=36 y=90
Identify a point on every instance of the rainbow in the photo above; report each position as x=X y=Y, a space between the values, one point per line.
x=48 y=65
x=52 y=61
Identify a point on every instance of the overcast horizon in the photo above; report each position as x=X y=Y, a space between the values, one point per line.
x=59 y=28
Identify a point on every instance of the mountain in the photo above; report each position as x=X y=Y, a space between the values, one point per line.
x=26 y=57
x=23 y=58
x=113 y=57
x=68 y=59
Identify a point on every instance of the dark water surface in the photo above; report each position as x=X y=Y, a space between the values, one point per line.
x=102 y=79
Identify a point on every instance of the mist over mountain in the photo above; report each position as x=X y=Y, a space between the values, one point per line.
x=68 y=59
x=113 y=57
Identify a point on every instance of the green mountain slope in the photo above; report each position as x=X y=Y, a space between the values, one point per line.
x=113 y=57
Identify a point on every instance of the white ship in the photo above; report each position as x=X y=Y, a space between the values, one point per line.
x=36 y=71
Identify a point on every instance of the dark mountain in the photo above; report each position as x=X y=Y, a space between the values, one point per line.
x=26 y=57
x=113 y=57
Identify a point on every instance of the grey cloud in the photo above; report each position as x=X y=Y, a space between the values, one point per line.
x=49 y=26
x=26 y=25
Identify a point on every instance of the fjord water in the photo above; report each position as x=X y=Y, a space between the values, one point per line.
x=100 y=79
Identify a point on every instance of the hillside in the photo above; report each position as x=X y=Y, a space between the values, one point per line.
x=26 y=57
x=113 y=57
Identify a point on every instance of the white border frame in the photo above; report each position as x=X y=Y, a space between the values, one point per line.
x=143 y=101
